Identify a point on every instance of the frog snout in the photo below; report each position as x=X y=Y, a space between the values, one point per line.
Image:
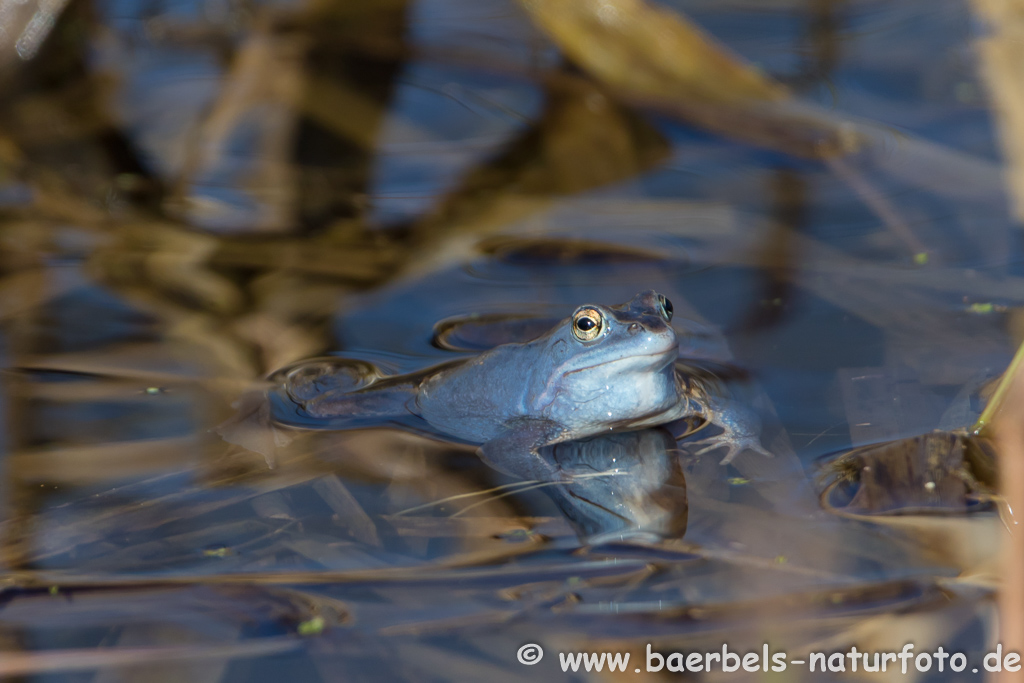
x=650 y=327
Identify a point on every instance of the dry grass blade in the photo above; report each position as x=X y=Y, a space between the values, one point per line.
x=25 y=26
x=477 y=526
x=472 y=560
x=146 y=362
x=344 y=504
x=871 y=196
x=505 y=488
x=582 y=140
x=533 y=486
x=646 y=51
x=995 y=405
x=34 y=663
x=102 y=462
x=266 y=79
x=655 y=58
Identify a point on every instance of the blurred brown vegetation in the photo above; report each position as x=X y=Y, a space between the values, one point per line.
x=160 y=275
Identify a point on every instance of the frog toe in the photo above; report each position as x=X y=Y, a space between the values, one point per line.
x=734 y=446
x=709 y=445
x=734 y=450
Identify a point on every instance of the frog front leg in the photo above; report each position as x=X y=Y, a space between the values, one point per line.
x=741 y=429
x=514 y=450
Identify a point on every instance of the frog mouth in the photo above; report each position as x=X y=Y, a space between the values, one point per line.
x=668 y=354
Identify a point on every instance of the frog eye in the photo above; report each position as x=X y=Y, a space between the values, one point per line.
x=587 y=323
x=665 y=307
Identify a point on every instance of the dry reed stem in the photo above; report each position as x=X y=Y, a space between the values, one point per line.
x=1002 y=55
x=1009 y=429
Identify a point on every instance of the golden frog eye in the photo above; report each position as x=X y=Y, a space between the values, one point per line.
x=665 y=307
x=587 y=323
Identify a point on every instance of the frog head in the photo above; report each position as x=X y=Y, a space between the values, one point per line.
x=611 y=365
x=633 y=337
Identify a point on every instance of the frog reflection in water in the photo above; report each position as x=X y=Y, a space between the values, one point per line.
x=605 y=368
x=621 y=486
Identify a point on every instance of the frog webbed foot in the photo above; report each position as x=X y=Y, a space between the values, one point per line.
x=734 y=444
x=741 y=431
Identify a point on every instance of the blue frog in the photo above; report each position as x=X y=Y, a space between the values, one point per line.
x=604 y=369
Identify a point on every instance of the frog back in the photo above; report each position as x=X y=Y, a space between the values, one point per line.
x=474 y=400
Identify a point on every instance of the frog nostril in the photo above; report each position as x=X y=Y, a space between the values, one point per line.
x=634 y=328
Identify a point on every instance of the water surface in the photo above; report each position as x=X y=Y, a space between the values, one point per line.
x=194 y=195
